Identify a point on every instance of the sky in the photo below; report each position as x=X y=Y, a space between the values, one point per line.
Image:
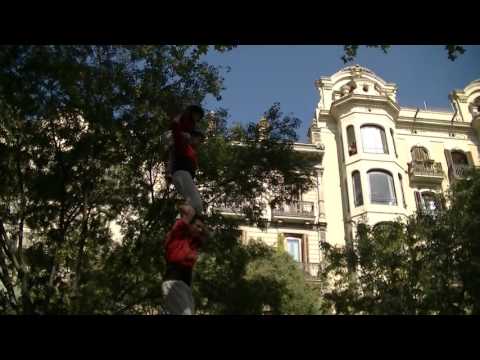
x=261 y=75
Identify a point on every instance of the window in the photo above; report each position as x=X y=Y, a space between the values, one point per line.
x=294 y=193
x=401 y=189
x=428 y=202
x=393 y=140
x=459 y=158
x=352 y=144
x=382 y=188
x=357 y=189
x=293 y=248
x=374 y=140
x=419 y=153
x=458 y=162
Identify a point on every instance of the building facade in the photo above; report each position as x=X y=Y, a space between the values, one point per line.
x=379 y=162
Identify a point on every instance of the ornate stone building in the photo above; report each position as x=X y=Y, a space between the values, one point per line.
x=379 y=161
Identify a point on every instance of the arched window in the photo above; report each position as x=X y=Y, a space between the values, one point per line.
x=459 y=158
x=419 y=153
x=357 y=188
x=382 y=188
x=374 y=139
x=352 y=143
x=458 y=162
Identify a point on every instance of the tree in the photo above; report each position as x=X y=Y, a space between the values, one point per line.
x=80 y=137
x=251 y=278
x=428 y=264
x=350 y=51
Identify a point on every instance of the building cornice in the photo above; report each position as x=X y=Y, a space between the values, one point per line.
x=434 y=124
x=320 y=149
x=365 y=100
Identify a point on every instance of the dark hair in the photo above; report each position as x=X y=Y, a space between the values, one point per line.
x=195 y=109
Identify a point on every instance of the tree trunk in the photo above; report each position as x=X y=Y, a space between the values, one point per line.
x=80 y=254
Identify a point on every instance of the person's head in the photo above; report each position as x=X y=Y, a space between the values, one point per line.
x=197 y=227
x=195 y=111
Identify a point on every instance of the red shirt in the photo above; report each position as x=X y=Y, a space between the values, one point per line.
x=180 y=247
x=186 y=156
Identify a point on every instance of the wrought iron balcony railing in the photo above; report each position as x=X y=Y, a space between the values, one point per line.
x=427 y=170
x=311 y=270
x=295 y=209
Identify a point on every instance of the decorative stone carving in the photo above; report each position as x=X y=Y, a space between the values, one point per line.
x=474 y=107
x=348 y=88
x=379 y=90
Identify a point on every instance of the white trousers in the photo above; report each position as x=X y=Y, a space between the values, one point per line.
x=178 y=298
x=186 y=187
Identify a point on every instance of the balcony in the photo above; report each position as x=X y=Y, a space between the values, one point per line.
x=229 y=209
x=426 y=171
x=458 y=170
x=310 y=270
x=295 y=211
x=232 y=209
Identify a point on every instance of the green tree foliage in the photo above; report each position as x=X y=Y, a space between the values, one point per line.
x=426 y=265
x=251 y=278
x=80 y=147
x=350 y=51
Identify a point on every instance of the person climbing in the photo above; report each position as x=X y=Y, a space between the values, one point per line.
x=182 y=244
x=183 y=158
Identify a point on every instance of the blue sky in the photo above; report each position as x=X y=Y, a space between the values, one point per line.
x=263 y=74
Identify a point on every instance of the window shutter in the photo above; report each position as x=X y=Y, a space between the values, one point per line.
x=384 y=141
x=414 y=154
x=470 y=158
x=305 y=254
x=418 y=201
x=448 y=156
x=357 y=188
x=323 y=236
